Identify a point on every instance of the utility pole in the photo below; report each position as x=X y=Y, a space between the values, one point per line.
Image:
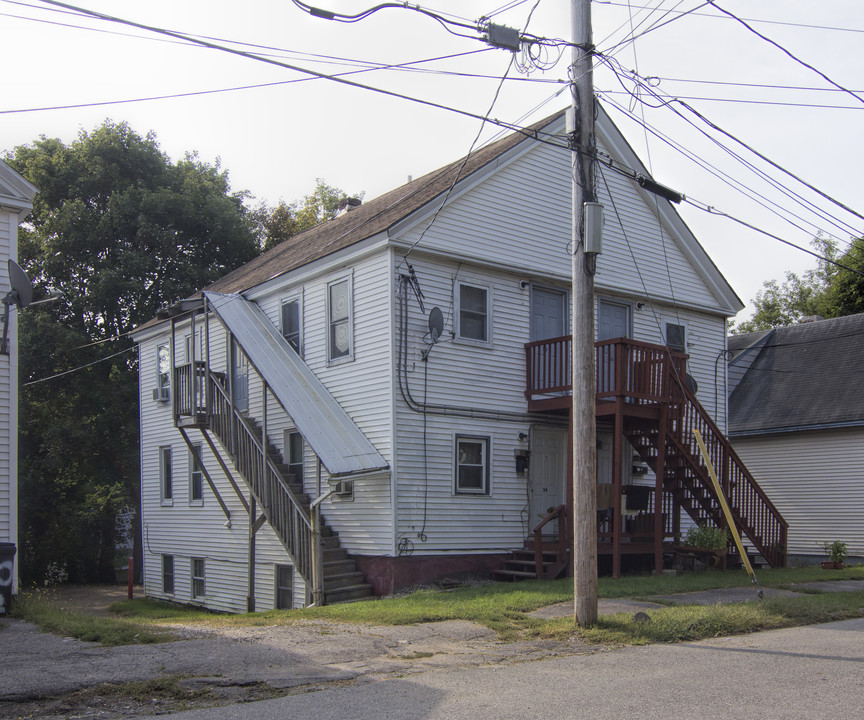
x=582 y=414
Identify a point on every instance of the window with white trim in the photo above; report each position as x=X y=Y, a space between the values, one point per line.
x=199 y=586
x=473 y=313
x=163 y=366
x=340 y=334
x=472 y=465
x=168 y=574
x=291 y=323
x=196 y=476
x=292 y=453
x=166 y=476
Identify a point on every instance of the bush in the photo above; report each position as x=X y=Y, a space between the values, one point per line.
x=710 y=538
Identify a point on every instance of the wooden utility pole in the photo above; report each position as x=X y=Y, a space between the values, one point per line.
x=583 y=418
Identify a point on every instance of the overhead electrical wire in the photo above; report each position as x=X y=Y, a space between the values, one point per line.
x=306 y=71
x=670 y=101
x=80 y=367
x=742 y=101
x=790 y=54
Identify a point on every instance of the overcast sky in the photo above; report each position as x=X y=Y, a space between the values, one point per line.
x=277 y=139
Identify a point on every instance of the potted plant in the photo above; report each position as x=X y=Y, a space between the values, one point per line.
x=836 y=552
x=711 y=543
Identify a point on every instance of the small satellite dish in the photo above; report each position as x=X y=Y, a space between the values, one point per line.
x=20 y=294
x=20 y=285
x=436 y=323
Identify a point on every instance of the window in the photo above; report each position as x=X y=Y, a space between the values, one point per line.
x=196 y=476
x=339 y=331
x=198 y=348
x=168 y=574
x=163 y=368
x=291 y=322
x=473 y=312
x=472 y=465
x=676 y=337
x=284 y=587
x=166 y=480
x=292 y=452
x=198 y=586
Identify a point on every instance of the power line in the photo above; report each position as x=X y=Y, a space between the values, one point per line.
x=80 y=367
x=788 y=53
x=742 y=101
x=305 y=71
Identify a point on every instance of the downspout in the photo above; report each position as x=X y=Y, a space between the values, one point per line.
x=318 y=598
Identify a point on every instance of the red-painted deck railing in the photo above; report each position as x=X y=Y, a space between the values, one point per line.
x=640 y=371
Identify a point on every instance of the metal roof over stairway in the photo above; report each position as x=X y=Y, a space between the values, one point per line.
x=329 y=430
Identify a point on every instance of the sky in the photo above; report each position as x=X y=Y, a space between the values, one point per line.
x=276 y=139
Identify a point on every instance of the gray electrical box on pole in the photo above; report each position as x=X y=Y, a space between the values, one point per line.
x=582 y=415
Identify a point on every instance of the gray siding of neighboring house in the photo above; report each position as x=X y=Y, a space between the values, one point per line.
x=815 y=480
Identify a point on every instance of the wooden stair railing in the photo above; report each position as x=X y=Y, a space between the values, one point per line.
x=560 y=514
x=281 y=507
x=686 y=476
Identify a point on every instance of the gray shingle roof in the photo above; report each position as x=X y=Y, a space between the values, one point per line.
x=805 y=376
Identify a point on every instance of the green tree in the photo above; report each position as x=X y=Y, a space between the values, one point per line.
x=274 y=225
x=120 y=230
x=780 y=305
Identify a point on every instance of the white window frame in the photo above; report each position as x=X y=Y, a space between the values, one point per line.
x=198 y=576
x=165 y=574
x=163 y=377
x=196 y=501
x=277 y=587
x=459 y=337
x=187 y=346
x=288 y=458
x=166 y=475
x=486 y=444
x=349 y=356
x=298 y=299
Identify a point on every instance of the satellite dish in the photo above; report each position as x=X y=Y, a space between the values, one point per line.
x=20 y=294
x=20 y=285
x=436 y=323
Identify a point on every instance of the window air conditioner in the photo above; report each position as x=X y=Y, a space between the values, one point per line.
x=161 y=395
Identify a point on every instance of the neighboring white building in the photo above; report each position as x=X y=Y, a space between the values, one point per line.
x=16 y=202
x=440 y=456
x=797 y=420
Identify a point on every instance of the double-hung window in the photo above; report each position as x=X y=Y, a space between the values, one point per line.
x=292 y=453
x=166 y=476
x=198 y=585
x=472 y=465
x=473 y=313
x=196 y=476
x=291 y=323
x=340 y=334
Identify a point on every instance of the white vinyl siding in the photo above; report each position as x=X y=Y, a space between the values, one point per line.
x=814 y=480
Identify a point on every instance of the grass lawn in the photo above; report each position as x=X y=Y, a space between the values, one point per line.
x=504 y=607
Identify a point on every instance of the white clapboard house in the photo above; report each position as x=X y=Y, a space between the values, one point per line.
x=16 y=202
x=796 y=416
x=382 y=400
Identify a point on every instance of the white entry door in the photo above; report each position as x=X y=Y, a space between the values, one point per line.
x=547 y=475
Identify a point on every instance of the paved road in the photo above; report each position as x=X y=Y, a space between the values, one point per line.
x=807 y=673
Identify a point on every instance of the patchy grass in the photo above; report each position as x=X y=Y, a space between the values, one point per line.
x=42 y=610
x=504 y=607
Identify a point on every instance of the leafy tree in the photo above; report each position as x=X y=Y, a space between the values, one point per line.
x=120 y=230
x=780 y=305
x=274 y=225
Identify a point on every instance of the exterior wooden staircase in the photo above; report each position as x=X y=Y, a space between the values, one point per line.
x=202 y=401
x=542 y=559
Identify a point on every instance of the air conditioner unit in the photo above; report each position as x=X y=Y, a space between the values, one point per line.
x=162 y=395
x=343 y=488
